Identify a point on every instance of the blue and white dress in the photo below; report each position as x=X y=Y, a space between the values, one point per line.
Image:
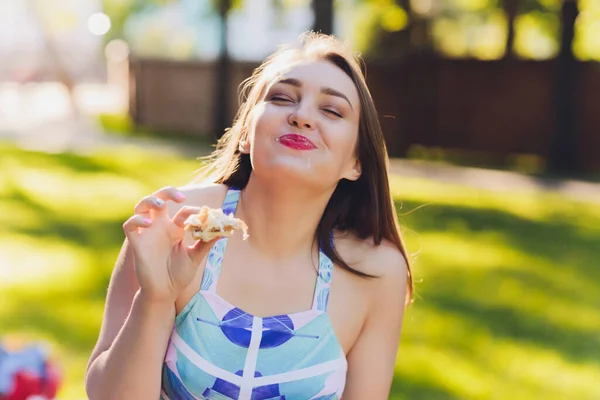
x=219 y=352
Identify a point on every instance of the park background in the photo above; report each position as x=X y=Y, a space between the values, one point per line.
x=490 y=111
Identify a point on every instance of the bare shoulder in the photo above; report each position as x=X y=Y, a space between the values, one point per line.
x=368 y=298
x=384 y=260
x=201 y=194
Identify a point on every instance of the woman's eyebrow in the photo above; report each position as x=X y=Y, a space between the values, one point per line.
x=332 y=92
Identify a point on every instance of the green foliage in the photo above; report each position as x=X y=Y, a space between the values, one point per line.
x=120 y=10
x=375 y=19
x=478 y=28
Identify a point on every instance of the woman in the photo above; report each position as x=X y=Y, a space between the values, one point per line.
x=310 y=306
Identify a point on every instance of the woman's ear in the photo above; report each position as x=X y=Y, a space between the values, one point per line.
x=357 y=169
x=354 y=173
x=244 y=147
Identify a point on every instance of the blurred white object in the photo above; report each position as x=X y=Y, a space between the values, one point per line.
x=99 y=24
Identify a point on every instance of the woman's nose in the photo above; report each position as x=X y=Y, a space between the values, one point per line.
x=301 y=118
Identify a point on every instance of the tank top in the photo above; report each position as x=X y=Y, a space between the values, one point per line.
x=217 y=351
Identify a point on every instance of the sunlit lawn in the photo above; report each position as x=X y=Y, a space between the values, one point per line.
x=508 y=285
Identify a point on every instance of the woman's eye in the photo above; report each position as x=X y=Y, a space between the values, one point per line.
x=280 y=98
x=333 y=112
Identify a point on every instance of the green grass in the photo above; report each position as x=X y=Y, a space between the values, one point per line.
x=60 y=233
x=508 y=296
x=507 y=284
x=121 y=124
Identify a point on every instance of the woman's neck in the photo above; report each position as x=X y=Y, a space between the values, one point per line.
x=282 y=220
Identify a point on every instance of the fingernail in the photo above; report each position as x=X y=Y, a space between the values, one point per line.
x=159 y=202
x=147 y=221
x=180 y=195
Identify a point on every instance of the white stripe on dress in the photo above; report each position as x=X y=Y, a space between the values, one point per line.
x=303 y=373
x=248 y=380
x=202 y=363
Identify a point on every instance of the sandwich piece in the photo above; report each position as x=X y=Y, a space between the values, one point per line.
x=211 y=223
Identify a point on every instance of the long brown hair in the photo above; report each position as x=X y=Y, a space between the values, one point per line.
x=364 y=207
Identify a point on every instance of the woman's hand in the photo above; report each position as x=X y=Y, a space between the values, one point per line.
x=163 y=264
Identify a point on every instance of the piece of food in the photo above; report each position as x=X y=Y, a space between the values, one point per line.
x=211 y=223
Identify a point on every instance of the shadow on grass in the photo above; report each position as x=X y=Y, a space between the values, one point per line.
x=75 y=162
x=557 y=239
x=80 y=231
x=519 y=326
x=477 y=296
x=132 y=162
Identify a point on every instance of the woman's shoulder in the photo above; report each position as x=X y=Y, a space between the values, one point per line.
x=384 y=260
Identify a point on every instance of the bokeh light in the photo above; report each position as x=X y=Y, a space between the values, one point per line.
x=99 y=24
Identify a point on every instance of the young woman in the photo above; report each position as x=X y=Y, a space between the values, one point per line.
x=310 y=306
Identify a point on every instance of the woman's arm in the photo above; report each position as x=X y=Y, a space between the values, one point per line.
x=127 y=360
x=372 y=358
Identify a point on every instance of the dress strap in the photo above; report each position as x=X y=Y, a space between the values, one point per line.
x=323 y=280
x=212 y=270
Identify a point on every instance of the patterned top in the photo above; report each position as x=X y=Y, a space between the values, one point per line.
x=219 y=352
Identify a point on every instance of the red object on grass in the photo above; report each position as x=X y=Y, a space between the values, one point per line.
x=27 y=384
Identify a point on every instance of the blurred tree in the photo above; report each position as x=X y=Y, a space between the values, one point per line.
x=414 y=37
x=587 y=35
x=419 y=27
x=511 y=8
x=493 y=29
x=470 y=28
x=564 y=147
x=541 y=11
x=222 y=71
x=391 y=29
x=323 y=13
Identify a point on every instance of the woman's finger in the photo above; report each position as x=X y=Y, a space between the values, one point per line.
x=157 y=201
x=136 y=222
x=170 y=193
x=149 y=203
x=183 y=214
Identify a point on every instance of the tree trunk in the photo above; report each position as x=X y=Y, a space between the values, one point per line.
x=418 y=28
x=563 y=158
x=222 y=74
x=323 y=12
x=511 y=9
x=415 y=38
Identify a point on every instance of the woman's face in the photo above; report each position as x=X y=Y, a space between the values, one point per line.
x=306 y=126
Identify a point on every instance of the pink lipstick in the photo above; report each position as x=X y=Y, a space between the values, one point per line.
x=296 y=142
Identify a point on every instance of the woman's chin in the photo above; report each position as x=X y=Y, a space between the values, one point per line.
x=292 y=171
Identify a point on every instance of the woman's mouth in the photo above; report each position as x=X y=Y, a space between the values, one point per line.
x=296 y=142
